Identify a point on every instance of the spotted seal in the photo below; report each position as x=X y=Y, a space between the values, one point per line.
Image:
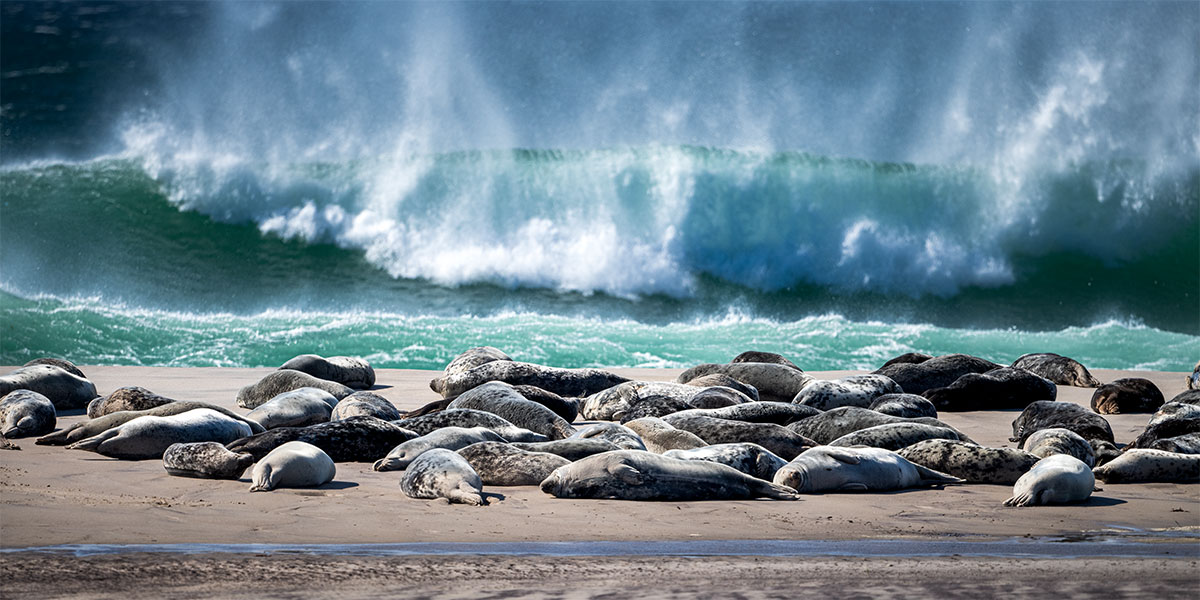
x=651 y=406
x=1058 y=369
x=501 y=399
x=833 y=424
x=1187 y=397
x=450 y=438
x=1056 y=479
x=1045 y=414
x=894 y=436
x=774 y=382
x=567 y=408
x=998 y=389
x=975 y=464
x=297 y=408
x=467 y=417
x=941 y=371
x=757 y=356
x=659 y=436
x=126 y=398
x=65 y=390
x=24 y=413
x=87 y=429
x=571 y=449
x=347 y=370
x=1146 y=465
x=749 y=458
x=205 y=460
x=620 y=435
x=1170 y=420
x=149 y=436
x=724 y=381
x=63 y=364
x=498 y=463
x=286 y=380
x=1127 y=395
x=365 y=404
x=905 y=406
x=292 y=465
x=776 y=438
x=611 y=404
x=855 y=390
x=564 y=382
x=640 y=475
x=1188 y=443
x=836 y=469
x=356 y=439
x=442 y=473
x=473 y=358
x=779 y=413
x=1059 y=440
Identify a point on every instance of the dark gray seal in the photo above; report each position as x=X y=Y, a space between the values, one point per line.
x=779 y=413
x=719 y=396
x=357 y=439
x=611 y=432
x=498 y=463
x=1170 y=420
x=1045 y=414
x=126 y=398
x=906 y=406
x=916 y=378
x=65 y=365
x=292 y=465
x=776 y=438
x=1058 y=369
x=1145 y=465
x=1059 y=440
x=148 y=437
x=774 y=382
x=855 y=390
x=833 y=424
x=755 y=356
x=639 y=475
x=975 y=464
x=571 y=449
x=441 y=473
x=723 y=380
x=1127 y=395
x=466 y=417
x=836 y=469
x=364 y=404
x=297 y=408
x=450 y=438
x=501 y=399
x=659 y=436
x=567 y=408
x=751 y=459
x=1187 y=397
x=24 y=413
x=1188 y=443
x=205 y=460
x=65 y=390
x=473 y=358
x=908 y=358
x=87 y=429
x=278 y=382
x=894 y=436
x=346 y=370
x=999 y=389
x=564 y=382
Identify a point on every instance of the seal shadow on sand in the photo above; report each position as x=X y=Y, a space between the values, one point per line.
x=319 y=490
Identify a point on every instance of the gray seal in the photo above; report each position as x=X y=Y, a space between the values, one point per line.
x=905 y=406
x=473 y=358
x=1188 y=443
x=346 y=370
x=723 y=380
x=855 y=390
x=297 y=408
x=65 y=390
x=63 y=364
x=357 y=439
x=1045 y=414
x=205 y=460
x=571 y=449
x=567 y=408
x=501 y=399
x=498 y=463
x=652 y=406
x=1059 y=440
x=611 y=404
x=894 y=436
x=751 y=459
x=87 y=429
x=779 y=413
x=757 y=356
x=659 y=436
x=832 y=469
x=148 y=437
x=24 y=413
x=467 y=417
x=833 y=424
x=719 y=396
x=999 y=389
x=442 y=473
x=776 y=438
x=126 y=398
x=1146 y=465
x=611 y=432
x=292 y=465
x=1056 y=479
x=365 y=404
x=1187 y=397
x=1170 y=420
x=640 y=475
x=916 y=378
x=1058 y=369
x=278 y=382
x=450 y=438
x=909 y=358
x=975 y=464
x=1127 y=395
x=774 y=382
x=564 y=382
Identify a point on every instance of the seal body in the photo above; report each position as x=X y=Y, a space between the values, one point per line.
x=364 y=404
x=564 y=382
x=975 y=464
x=450 y=438
x=1058 y=369
x=1180 y=444
x=751 y=459
x=757 y=356
x=998 y=389
x=148 y=437
x=640 y=475
x=65 y=390
x=205 y=460
x=501 y=399
x=297 y=408
x=65 y=365
x=1187 y=397
x=498 y=463
x=776 y=438
x=571 y=449
x=1059 y=440
x=1171 y=420
x=357 y=439
x=1056 y=479
x=659 y=436
x=473 y=358
x=941 y=371
x=126 y=398
x=894 y=436
x=346 y=370
x=723 y=380
x=719 y=396
x=1145 y=465
x=774 y=382
x=835 y=469
x=1046 y=414
x=620 y=435
x=469 y=417
x=286 y=380
x=905 y=406
x=24 y=413
x=833 y=424
x=652 y=407
x=779 y=413
x=1128 y=395
x=612 y=403
x=87 y=429
x=442 y=473
x=855 y=390
x=911 y=358
x=292 y=465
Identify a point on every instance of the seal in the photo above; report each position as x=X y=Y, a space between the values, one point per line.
x=1127 y=395
x=1059 y=440
x=364 y=404
x=24 y=413
x=498 y=463
x=1172 y=419
x=975 y=464
x=87 y=429
x=356 y=439
x=894 y=436
x=833 y=424
x=612 y=403
x=466 y=417
x=999 y=389
x=278 y=382
x=1187 y=397
x=751 y=459
x=292 y=465
x=148 y=437
x=1056 y=479
x=723 y=380
x=1057 y=369
x=1145 y=465
x=205 y=460
x=65 y=390
x=297 y=408
x=126 y=398
x=639 y=475
x=501 y=399
x=450 y=438
x=910 y=358
x=832 y=469
x=905 y=406
x=755 y=356
x=658 y=436
x=1193 y=380
x=442 y=473
x=65 y=365
x=774 y=382
x=473 y=358
x=779 y=413
x=1188 y=443
x=855 y=390
x=567 y=408
x=611 y=432
x=564 y=382
x=917 y=378
x=349 y=371
x=719 y=396
x=571 y=449
x=652 y=406
x=1045 y=414
x=776 y=438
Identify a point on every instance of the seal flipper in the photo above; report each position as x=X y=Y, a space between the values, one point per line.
x=58 y=438
x=466 y=496
x=262 y=480
x=931 y=477
x=92 y=444
x=627 y=474
x=841 y=455
x=776 y=491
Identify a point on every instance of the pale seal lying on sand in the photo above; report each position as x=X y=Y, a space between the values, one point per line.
x=830 y=469
x=659 y=436
x=571 y=449
x=1059 y=440
x=620 y=435
x=776 y=438
x=1057 y=479
x=998 y=389
x=1144 y=465
x=441 y=473
x=975 y=464
x=916 y=378
x=774 y=382
x=756 y=356
x=640 y=475
x=148 y=437
x=127 y=398
x=467 y=417
x=564 y=382
x=1173 y=419
x=751 y=459
x=855 y=390
x=292 y=465
x=905 y=406
x=365 y=404
x=297 y=408
x=278 y=382
x=1058 y=369
x=205 y=460
x=87 y=429
x=894 y=436
x=357 y=439
x=833 y=424
x=779 y=413
x=65 y=365
x=65 y=390
x=24 y=413
x=346 y=370
x=498 y=463
x=1127 y=395
x=450 y=438
x=501 y=399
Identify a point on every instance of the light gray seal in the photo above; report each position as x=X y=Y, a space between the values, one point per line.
x=297 y=408
x=498 y=463
x=442 y=473
x=286 y=380
x=758 y=356
x=1188 y=443
x=751 y=459
x=776 y=438
x=833 y=424
x=346 y=370
x=126 y=398
x=24 y=413
x=975 y=464
x=450 y=438
x=855 y=390
x=205 y=460
x=65 y=390
x=356 y=439
x=774 y=382
x=612 y=432
x=723 y=380
x=571 y=449
x=501 y=399
x=640 y=475
x=292 y=465
x=659 y=436
x=365 y=404
x=1059 y=440
x=941 y=371
x=1056 y=479
x=573 y=383
x=894 y=436
x=1127 y=395
x=1170 y=420
x=467 y=417
x=905 y=406
x=473 y=358
x=834 y=469
x=779 y=413
x=999 y=389
x=63 y=364
x=148 y=437
x=1145 y=465
x=87 y=429
x=1058 y=369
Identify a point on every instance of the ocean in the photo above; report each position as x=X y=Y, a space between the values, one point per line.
x=599 y=184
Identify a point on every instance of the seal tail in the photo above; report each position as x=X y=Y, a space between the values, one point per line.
x=468 y=496
x=931 y=477
x=777 y=492
x=93 y=443
x=388 y=464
